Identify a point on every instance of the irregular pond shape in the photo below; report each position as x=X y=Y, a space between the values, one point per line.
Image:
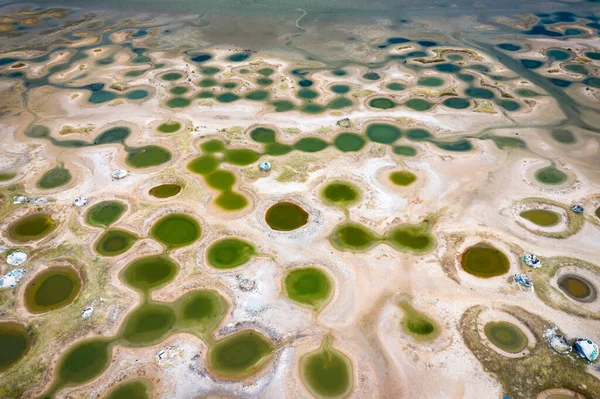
x=340 y=193
x=263 y=135
x=327 y=372
x=51 y=289
x=83 y=362
x=200 y=311
x=578 y=288
x=203 y=164
x=31 y=227
x=148 y=324
x=212 y=146
x=113 y=135
x=541 y=217
x=241 y=157
x=114 y=242
x=229 y=253
x=404 y=150
x=150 y=272
x=6 y=176
x=15 y=342
x=286 y=216
x=231 y=201
x=402 y=178
x=506 y=336
x=147 y=156
x=176 y=230
x=417 y=324
x=550 y=175
x=353 y=237
x=309 y=286
x=165 y=190
x=239 y=355
x=413 y=238
x=55 y=177
x=278 y=149
x=485 y=261
x=220 y=179
x=105 y=213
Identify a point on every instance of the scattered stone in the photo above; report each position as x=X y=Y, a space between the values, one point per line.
x=39 y=200
x=12 y=278
x=557 y=341
x=577 y=208
x=80 y=201
x=586 y=348
x=16 y=258
x=344 y=123
x=523 y=281
x=247 y=285
x=265 y=166
x=120 y=174
x=87 y=312
x=20 y=199
x=532 y=261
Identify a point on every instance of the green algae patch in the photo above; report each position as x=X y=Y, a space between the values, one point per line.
x=15 y=342
x=418 y=325
x=200 y=311
x=308 y=286
x=383 y=133
x=578 y=288
x=340 y=193
x=230 y=200
x=31 y=227
x=6 y=176
x=55 y=177
x=278 y=149
x=148 y=324
x=541 y=217
x=150 y=272
x=239 y=355
x=169 y=127
x=353 y=237
x=382 y=103
x=563 y=136
x=135 y=389
x=310 y=144
x=413 y=238
x=327 y=372
x=505 y=336
x=212 y=146
x=176 y=230
x=484 y=261
x=229 y=253
x=165 y=190
x=171 y=76
x=147 y=156
x=403 y=178
x=550 y=175
x=178 y=102
x=105 y=213
x=349 y=142
x=203 y=164
x=52 y=289
x=114 y=242
x=404 y=150
x=286 y=216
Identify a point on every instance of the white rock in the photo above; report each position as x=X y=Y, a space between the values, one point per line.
x=120 y=174
x=87 y=312
x=80 y=201
x=16 y=258
x=11 y=278
x=19 y=199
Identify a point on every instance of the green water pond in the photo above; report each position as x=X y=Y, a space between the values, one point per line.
x=349 y=142
x=176 y=230
x=148 y=324
x=340 y=193
x=115 y=242
x=417 y=324
x=506 y=336
x=169 y=127
x=239 y=355
x=485 y=261
x=402 y=178
x=52 y=289
x=31 y=227
x=15 y=342
x=327 y=372
x=147 y=156
x=231 y=201
x=228 y=253
x=353 y=237
x=150 y=272
x=578 y=288
x=550 y=175
x=105 y=213
x=286 y=216
x=135 y=389
x=541 y=217
x=309 y=286
x=55 y=177
x=165 y=190
x=412 y=238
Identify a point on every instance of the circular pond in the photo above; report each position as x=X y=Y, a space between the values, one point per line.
x=340 y=193
x=105 y=213
x=506 y=336
x=52 y=289
x=578 y=288
x=228 y=253
x=403 y=178
x=31 y=227
x=176 y=230
x=115 y=242
x=286 y=216
x=485 y=261
x=326 y=372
